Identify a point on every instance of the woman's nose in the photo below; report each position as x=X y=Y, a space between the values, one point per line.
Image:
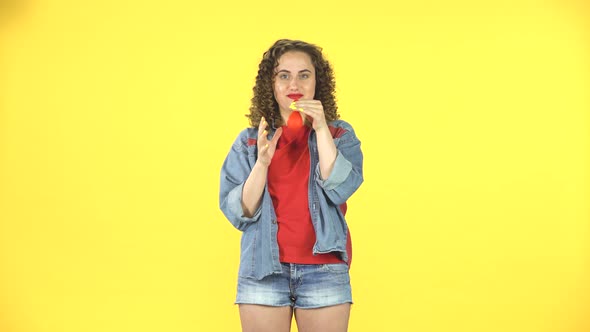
x=293 y=82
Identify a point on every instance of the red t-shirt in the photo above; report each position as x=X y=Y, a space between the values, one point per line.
x=288 y=181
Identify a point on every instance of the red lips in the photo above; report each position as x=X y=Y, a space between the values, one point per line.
x=295 y=96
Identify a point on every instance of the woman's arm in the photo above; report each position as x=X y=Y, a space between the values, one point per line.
x=254 y=186
x=326 y=150
x=347 y=169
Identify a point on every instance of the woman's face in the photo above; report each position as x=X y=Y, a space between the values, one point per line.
x=294 y=77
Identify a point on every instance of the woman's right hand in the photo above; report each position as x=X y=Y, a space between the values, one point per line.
x=266 y=148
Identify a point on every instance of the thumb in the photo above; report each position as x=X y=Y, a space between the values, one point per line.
x=276 y=136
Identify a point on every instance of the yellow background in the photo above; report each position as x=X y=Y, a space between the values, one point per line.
x=115 y=117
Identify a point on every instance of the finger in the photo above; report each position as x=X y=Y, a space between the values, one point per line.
x=261 y=125
x=276 y=137
x=310 y=112
x=308 y=103
x=262 y=129
x=311 y=108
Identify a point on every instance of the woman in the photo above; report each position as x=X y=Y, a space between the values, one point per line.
x=284 y=184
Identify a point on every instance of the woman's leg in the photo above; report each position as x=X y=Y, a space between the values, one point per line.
x=326 y=319
x=261 y=318
x=323 y=297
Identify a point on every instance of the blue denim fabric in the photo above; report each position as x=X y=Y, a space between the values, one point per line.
x=303 y=286
x=259 y=255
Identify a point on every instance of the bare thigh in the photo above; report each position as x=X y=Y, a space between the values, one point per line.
x=261 y=318
x=327 y=319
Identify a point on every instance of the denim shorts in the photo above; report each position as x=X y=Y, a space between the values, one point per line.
x=303 y=286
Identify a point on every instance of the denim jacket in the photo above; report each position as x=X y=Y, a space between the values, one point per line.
x=259 y=255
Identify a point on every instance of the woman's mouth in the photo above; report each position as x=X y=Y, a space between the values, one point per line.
x=295 y=96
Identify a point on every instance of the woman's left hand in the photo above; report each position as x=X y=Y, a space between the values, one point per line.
x=314 y=111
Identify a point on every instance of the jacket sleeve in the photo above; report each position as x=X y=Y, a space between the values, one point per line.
x=234 y=172
x=347 y=173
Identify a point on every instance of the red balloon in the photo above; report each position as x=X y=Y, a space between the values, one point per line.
x=295 y=120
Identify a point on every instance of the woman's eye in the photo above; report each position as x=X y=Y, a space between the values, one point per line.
x=284 y=76
x=304 y=76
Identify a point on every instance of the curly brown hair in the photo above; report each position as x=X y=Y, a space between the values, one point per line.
x=263 y=101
